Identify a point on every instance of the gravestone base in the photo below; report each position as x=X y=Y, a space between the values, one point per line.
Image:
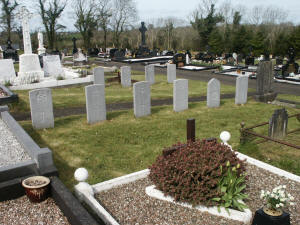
x=41 y=51
x=80 y=63
x=29 y=77
x=269 y=97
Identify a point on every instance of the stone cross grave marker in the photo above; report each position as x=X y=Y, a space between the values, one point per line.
x=99 y=75
x=41 y=108
x=41 y=49
x=150 y=74
x=7 y=70
x=24 y=15
x=95 y=103
x=180 y=95
x=126 y=76
x=142 y=99
x=278 y=124
x=241 y=90
x=213 y=93
x=52 y=66
x=171 y=73
x=143 y=30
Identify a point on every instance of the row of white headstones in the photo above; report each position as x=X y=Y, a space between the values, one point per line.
x=42 y=107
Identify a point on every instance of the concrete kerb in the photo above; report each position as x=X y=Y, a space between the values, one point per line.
x=42 y=157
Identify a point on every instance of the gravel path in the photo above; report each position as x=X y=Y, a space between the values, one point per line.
x=22 y=211
x=11 y=151
x=130 y=205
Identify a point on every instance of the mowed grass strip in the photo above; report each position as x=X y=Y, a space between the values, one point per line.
x=124 y=144
x=75 y=96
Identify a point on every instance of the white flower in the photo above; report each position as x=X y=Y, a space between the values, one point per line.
x=292 y=203
x=284 y=186
x=291 y=198
x=277 y=205
x=281 y=204
x=272 y=195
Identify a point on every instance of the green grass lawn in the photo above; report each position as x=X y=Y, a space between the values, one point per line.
x=75 y=96
x=293 y=98
x=124 y=144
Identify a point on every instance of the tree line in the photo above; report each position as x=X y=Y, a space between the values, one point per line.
x=218 y=27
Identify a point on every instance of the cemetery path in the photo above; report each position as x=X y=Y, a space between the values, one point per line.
x=62 y=112
x=281 y=88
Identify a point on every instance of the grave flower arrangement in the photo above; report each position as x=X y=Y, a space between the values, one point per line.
x=276 y=200
x=203 y=172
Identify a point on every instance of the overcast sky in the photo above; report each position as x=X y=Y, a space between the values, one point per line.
x=151 y=9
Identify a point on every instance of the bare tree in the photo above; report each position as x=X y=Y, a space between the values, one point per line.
x=86 y=20
x=7 y=15
x=103 y=15
x=123 y=15
x=50 y=13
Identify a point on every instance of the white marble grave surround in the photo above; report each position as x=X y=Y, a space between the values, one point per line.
x=95 y=103
x=125 y=76
x=141 y=99
x=213 y=93
x=171 y=73
x=41 y=108
x=7 y=70
x=150 y=74
x=30 y=68
x=52 y=66
x=99 y=75
x=180 y=95
x=241 y=90
x=97 y=188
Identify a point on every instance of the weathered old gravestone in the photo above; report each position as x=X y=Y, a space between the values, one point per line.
x=150 y=74
x=126 y=76
x=180 y=95
x=278 y=124
x=52 y=66
x=95 y=103
x=141 y=99
x=171 y=73
x=241 y=90
x=213 y=93
x=99 y=75
x=264 y=92
x=7 y=70
x=41 y=108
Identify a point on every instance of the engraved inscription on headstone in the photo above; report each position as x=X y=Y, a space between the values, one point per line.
x=241 y=90
x=171 y=73
x=141 y=99
x=95 y=103
x=126 y=76
x=180 y=95
x=213 y=93
x=41 y=108
x=264 y=77
x=99 y=75
x=150 y=74
x=278 y=124
x=52 y=66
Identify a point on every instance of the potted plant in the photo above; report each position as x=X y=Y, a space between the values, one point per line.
x=273 y=212
x=36 y=188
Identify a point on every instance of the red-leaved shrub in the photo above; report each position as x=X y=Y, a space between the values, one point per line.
x=190 y=172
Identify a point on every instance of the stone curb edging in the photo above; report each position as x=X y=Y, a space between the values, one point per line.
x=12 y=97
x=42 y=157
x=109 y=220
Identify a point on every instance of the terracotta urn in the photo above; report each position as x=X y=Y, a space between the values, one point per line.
x=37 y=188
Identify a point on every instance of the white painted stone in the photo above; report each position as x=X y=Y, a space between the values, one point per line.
x=52 y=66
x=171 y=73
x=180 y=95
x=41 y=49
x=241 y=91
x=150 y=74
x=99 y=75
x=95 y=103
x=41 y=108
x=126 y=76
x=141 y=99
x=7 y=70
x=213 y=93
x=79 y=56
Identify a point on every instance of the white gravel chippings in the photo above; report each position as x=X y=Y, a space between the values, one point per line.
x=11 y=151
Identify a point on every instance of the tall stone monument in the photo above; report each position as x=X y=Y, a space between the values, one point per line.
x=264 y=92
x=30 y=68
x=41 y=49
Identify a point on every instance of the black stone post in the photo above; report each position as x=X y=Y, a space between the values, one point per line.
x=143 y=30
x=190 y=130
x=75 y=50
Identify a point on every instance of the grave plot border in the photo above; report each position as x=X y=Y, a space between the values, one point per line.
x=12 y=97
x=143 y=60
x=247 y=134
x=205 y=68
x=107 y=218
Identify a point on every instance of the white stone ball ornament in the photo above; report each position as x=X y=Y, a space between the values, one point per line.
x=81 y=175
x=225 y=137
